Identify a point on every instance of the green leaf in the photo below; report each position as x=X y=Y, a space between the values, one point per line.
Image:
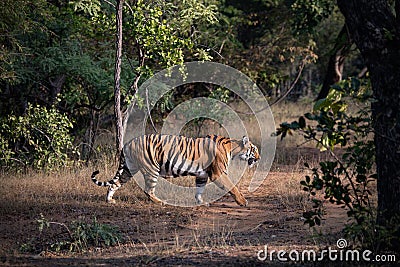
x=320 y=104
x=302 y=122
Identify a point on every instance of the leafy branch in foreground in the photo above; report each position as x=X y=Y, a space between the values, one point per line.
x=345 y=180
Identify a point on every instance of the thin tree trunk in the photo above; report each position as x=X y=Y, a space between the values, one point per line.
x=336 y=62
x=372 y=26
x=117 y=79
x=90 y=136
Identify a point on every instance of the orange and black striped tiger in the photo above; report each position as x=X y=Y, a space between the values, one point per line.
x=167 y=156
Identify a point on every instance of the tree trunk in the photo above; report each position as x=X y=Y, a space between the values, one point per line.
x=90 y=136
x=372 y=26
x=336 y=62
x=117 y=79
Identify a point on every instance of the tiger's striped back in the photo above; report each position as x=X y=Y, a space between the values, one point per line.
x=170 y=155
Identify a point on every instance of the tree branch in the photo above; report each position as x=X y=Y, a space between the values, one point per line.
x=301 y=67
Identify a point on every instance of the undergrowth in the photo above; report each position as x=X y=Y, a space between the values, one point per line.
x=347 y=179
x=77 y=236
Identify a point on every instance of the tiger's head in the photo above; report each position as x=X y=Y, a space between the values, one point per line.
x=248 y=152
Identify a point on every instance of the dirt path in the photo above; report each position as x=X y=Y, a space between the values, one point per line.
x=221 y=234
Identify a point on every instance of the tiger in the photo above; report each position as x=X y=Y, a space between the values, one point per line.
x=167 y=156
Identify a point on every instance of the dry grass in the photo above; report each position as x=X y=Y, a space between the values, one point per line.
x=69 y=195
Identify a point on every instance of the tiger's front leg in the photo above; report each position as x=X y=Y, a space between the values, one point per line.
x=225 y=183
x=150 y=184
x=201 y=181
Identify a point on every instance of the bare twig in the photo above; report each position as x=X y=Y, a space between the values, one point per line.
x=130 y=8
x=212 y=49
x=347 y=174
x=108 y=2
x=301 y=67
x=65 y=226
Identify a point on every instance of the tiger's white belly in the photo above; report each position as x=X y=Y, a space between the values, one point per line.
x=175 y=173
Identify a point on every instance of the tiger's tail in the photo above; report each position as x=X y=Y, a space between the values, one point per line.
x=105 y=184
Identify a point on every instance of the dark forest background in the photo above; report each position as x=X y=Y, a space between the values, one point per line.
x=59 y=82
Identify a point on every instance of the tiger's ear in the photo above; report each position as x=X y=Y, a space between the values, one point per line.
x=245 y=140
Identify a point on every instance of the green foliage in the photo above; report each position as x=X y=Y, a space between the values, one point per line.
x=57 y=52
x=161 y=32
x=92 y=7
x=194 y=12
x=346 y=180
x=155 y=36
x=66 y=49
x=221 y=94
x=309 y=14
x=40 y=139
x=258 y=40
x=18 y=18
x=79 y=236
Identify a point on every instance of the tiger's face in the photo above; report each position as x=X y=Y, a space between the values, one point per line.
x=249 y=152
x=254 y=156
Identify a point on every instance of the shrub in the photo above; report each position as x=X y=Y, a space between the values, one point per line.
x=40 y=139
x=346 y=179
x=78 y=236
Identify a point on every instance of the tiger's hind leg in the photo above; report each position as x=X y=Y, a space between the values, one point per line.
x=124 y=175
x=150 y=185
x=110 y=193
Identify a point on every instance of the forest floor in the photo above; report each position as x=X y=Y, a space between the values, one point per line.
x=222 y=234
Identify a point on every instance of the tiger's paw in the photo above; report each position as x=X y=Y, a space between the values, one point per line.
x=155 y=199
x=111 y=201
x=203 y=204
x=242 y=202
x=199 y=199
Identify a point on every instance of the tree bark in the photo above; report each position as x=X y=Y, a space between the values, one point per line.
x=373 y=27
x=117 y=79
x=336 y=62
